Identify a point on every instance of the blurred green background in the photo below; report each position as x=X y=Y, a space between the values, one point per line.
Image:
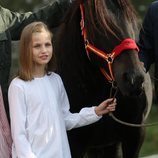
x=150 y=145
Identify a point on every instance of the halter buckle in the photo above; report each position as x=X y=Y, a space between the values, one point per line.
x=110 y=57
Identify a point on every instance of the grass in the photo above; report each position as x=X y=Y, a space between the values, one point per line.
x=150 y=145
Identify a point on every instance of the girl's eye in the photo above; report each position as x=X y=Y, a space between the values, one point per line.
x=36 y=46
x=48 y=44
x=40 y=46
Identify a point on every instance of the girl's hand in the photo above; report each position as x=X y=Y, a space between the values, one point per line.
x=106 y=107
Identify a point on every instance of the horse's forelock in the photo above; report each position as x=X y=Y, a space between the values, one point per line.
x=103 y=17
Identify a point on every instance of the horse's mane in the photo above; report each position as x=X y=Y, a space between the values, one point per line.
x=104 y=15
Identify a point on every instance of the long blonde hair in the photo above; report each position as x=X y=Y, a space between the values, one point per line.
x=25 y=57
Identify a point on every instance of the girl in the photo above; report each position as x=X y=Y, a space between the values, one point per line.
x=39 y=107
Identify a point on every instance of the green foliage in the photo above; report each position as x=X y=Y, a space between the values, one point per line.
x=150 y=145
x=141 y=6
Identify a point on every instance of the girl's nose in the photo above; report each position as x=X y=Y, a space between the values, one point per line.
x=43 y=48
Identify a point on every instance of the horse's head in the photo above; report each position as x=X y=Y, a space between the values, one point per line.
x=109 y=27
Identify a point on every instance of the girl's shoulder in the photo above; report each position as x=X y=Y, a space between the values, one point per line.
x=16 y=83
x=17 y=80
x=56 y=78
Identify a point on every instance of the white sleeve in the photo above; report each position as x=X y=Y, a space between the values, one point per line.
x=18 y=122
x=85 y=117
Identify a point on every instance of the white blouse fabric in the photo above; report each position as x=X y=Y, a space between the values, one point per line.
x=40 y=116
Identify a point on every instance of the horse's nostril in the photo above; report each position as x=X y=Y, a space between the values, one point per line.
x=128 y=78
x=133 y=79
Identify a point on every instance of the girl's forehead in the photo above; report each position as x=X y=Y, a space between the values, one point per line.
x=42 y=31
x=41 y=35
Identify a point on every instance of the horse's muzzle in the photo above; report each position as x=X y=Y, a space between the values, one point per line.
x=133 y=82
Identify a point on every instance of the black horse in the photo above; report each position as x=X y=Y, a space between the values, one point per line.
x=96 y=53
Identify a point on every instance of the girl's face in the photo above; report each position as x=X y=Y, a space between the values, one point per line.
x=41 y=48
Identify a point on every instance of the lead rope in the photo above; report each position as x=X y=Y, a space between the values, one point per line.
x=123 y=122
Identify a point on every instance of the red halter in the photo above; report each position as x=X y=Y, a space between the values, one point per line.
x=126 y=44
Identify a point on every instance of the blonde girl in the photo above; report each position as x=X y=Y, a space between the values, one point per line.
x=39 y=106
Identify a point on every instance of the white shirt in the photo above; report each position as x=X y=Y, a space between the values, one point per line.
x=40 y=116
